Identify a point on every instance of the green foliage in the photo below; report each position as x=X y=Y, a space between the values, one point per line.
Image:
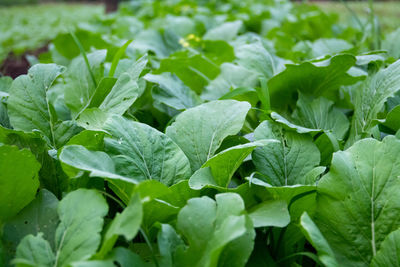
x=204 y=133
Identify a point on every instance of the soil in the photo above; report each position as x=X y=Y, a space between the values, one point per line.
x=17 y=65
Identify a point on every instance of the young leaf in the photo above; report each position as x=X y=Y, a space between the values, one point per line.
x=199 y=131
x=34 y=251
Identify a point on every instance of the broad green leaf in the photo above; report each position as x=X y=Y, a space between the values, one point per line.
x=320 y=113
x=393 y=119
x=122 y=95
x=193 y=69
x=231 y=76
x=78 y=235
x=63 y=131
x=126 y=224
x=28 y=106
x=92 y=119
x=102 y=90
x=314 y=236
x=225 y=32
x=209 y=228
x=255 y=57
x=18 y=180
x=270 y=213
x=142 y=152
x=80 y=88
x=34 y=251
x=223 y=165
x=172 y=92
x=199 y=131
x=389 y=253
x=299 y=198
x=126 y=89
x=317 y=79
x=126 y=258
x=358 y=199
x=97 y=163
x=5 y=84
x=218 y=51
x=370 y=98
x=286 y=162
x=93 y=263
x=40 y=216
x=324 y=46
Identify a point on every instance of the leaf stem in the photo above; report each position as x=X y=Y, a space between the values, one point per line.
x=150 y=246
x=117 y=57
x=82 y=50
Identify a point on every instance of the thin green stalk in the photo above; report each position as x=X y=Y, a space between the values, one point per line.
x=82 y=50
x=150 y=247
x=353 y=14
x=117 y=57
x=375 y=36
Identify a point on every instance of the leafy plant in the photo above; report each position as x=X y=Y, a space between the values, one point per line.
x=203 y=133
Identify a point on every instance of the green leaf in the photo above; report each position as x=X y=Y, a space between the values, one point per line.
x=78 y=235
x=195 y=70
x=318 y=79
x=126 y=89
x=28 y=106
x=270 y=213
x=218 y=51
x=199 y=131
x=286 y=162
x=320 y=113
x=224 y=32
x=92 y=119
x=324 y=46
x=97 y=163
x=357 y=199
x=80 y=88
x=18 y=180
x=122 y=95
x=34 y=251
x=223 y=165
x=314 y=236
x=231 y=76
x=392 y=43
x=126 y=258
x=172 y=92
x=40 y=216
x=126 y=224
x=255 y=57
x=209 y=228
x=389 y=253
x=393 y=119
x=142 y=152
x=370 y=98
